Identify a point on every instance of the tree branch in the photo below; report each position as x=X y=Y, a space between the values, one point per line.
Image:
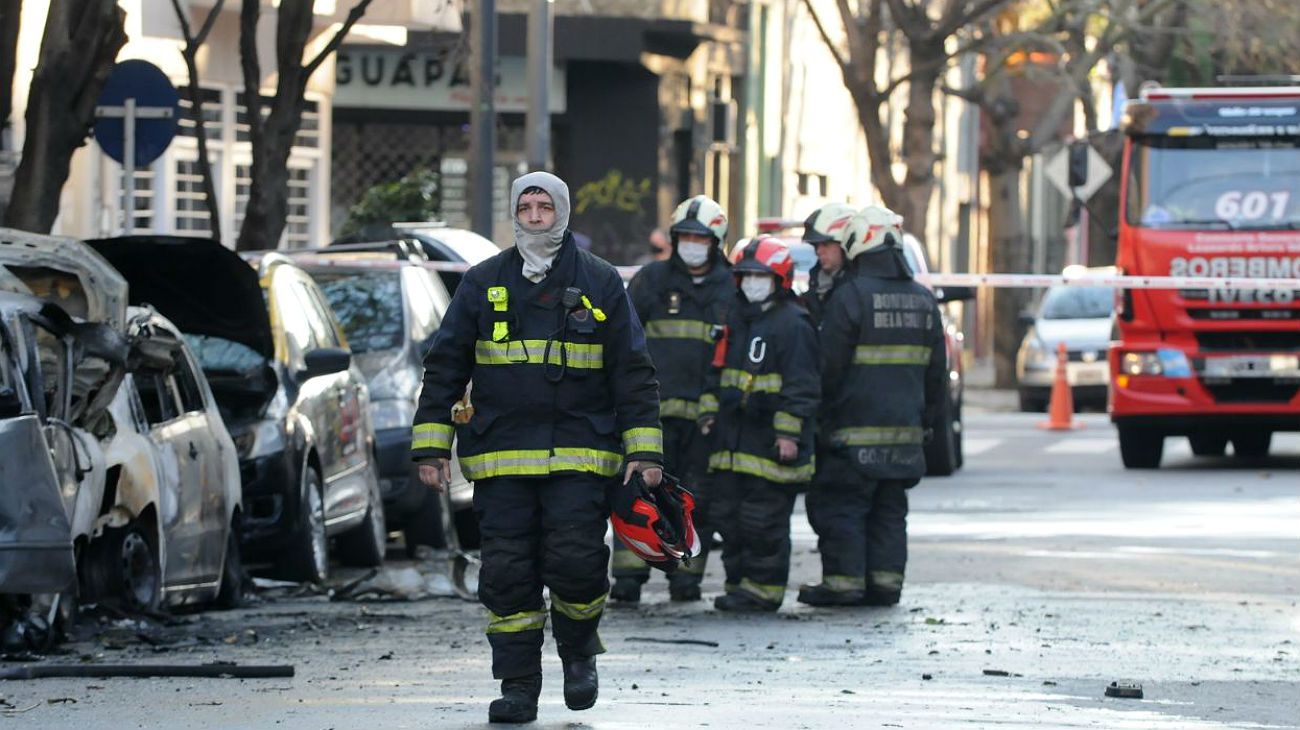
x=821 y=30
x=949 y=25
x=354 y=15
x=210 y=21
x=249 y=14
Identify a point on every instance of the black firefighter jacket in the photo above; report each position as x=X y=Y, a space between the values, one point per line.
x=769 y=386
x=884 y=368
x=815 y=299
x=559 y=386
x=684 y=319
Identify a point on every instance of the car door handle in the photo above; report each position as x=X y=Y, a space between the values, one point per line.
x=194 y=451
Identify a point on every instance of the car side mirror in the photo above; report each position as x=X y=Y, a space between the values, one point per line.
x=326 y=361
x=1027 y=319
x=10 y=405
x=956 y=294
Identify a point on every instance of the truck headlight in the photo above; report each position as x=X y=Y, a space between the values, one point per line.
x=1164 y=362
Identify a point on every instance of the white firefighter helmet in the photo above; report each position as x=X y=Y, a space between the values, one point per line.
x=870 y=229
x=828 y=223
x=700 y=215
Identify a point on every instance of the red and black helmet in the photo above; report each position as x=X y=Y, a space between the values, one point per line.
x=766 y=255
x=656 y=523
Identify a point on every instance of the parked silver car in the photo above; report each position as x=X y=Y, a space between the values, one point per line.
x=1080 y=317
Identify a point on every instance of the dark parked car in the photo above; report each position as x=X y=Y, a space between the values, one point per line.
x=390 y=314
x=295 y=403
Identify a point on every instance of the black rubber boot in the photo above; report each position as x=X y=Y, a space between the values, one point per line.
x=581 y=685
x=880 y=597
x=742 y=602
x=683 y=592
x=820 y=595
x=625 y=590
x=518 y=700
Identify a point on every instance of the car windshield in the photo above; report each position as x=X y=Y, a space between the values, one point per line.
x=1072 y=302
x=1214 y=183
x=220 y=355
x=368 y=305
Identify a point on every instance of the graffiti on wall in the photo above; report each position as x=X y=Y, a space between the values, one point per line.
x=613 y=192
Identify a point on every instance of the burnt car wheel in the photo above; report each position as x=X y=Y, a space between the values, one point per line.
x=363 y=546
x=308 y=558
x=122 y=567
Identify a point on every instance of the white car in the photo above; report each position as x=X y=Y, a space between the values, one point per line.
x=1080 y=317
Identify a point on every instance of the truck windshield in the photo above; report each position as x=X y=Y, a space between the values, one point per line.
x=1214 y=183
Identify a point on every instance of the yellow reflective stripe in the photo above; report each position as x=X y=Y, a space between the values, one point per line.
x=539 y=462
x=888 y=579
x=517 y=352
x=625 y=559
x=760 y=467
x=679 y=329
x=891 y=355
x=748 y=382
x=579 y=611
x=516 y=622
x=878 y=436
x=768 y=593
x=729 y=587
x=679 y=408
x=638 y=440
x=845 y=583
x=786 y=423
x=708 y=404
x=431 y=436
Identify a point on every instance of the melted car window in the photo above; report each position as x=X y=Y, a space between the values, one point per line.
x=369 y=306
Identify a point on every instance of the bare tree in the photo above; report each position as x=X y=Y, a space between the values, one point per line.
x=930 y=29
x=81 y=42
x=10 y=15
x=193 y=42
x=272 y=137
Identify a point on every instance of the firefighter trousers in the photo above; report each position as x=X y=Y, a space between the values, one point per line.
x=685 y=457
x=861 y=533
x=537 y=532
x=753 y=515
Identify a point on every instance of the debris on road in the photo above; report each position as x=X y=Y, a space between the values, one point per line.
x=395 y=584
x=1000 y=673
x=1125 y=690
x=689 y=642
x=216 y=670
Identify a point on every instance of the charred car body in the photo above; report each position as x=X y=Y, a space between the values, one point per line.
x=288 y=389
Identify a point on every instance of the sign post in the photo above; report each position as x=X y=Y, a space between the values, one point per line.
x=136 y=119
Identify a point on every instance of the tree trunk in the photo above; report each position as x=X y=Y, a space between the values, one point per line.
x=81 y=41
x=918 y=137
x=10 y=15
x=195 y=94
x=1010 y=251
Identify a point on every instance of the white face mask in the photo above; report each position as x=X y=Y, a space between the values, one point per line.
x=757 y=287
x=694 y=255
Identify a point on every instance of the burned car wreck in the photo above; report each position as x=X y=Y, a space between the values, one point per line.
x=120 y=482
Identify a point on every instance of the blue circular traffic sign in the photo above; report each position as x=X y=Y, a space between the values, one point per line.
x=151 y=89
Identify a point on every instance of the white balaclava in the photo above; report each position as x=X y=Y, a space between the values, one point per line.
x=539 y=248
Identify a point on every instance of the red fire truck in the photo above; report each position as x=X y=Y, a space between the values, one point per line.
x=1211 y=188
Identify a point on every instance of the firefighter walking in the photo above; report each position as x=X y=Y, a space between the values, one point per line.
x=883 y=373
x=683 y=304
x=765 y=400
x=564 y=392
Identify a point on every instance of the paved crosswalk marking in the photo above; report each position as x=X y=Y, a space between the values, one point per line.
x=1081 y=446
x=976 y=446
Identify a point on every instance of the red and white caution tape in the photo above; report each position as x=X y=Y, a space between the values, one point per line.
x=995 y=281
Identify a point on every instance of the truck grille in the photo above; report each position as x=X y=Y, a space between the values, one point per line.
x=1236 y=315
x=1248 y=341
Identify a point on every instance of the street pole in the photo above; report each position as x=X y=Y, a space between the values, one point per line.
x=540 y=55
x=482 y=116
x=128 y=167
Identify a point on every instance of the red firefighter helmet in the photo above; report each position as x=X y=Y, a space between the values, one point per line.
x=766 y=255
x=656 y=523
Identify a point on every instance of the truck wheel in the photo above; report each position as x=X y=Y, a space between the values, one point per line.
x=1252 y=444
x=1208 y=444
x=308 y=557
x=364 y=545
x=424 y=526
x=1140 y=448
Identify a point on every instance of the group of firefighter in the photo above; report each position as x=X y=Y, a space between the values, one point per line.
x=707 y=371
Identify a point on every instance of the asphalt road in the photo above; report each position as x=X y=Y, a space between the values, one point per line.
x=1039 y=574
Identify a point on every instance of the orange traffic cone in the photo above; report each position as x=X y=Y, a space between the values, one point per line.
x=1060 y=412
